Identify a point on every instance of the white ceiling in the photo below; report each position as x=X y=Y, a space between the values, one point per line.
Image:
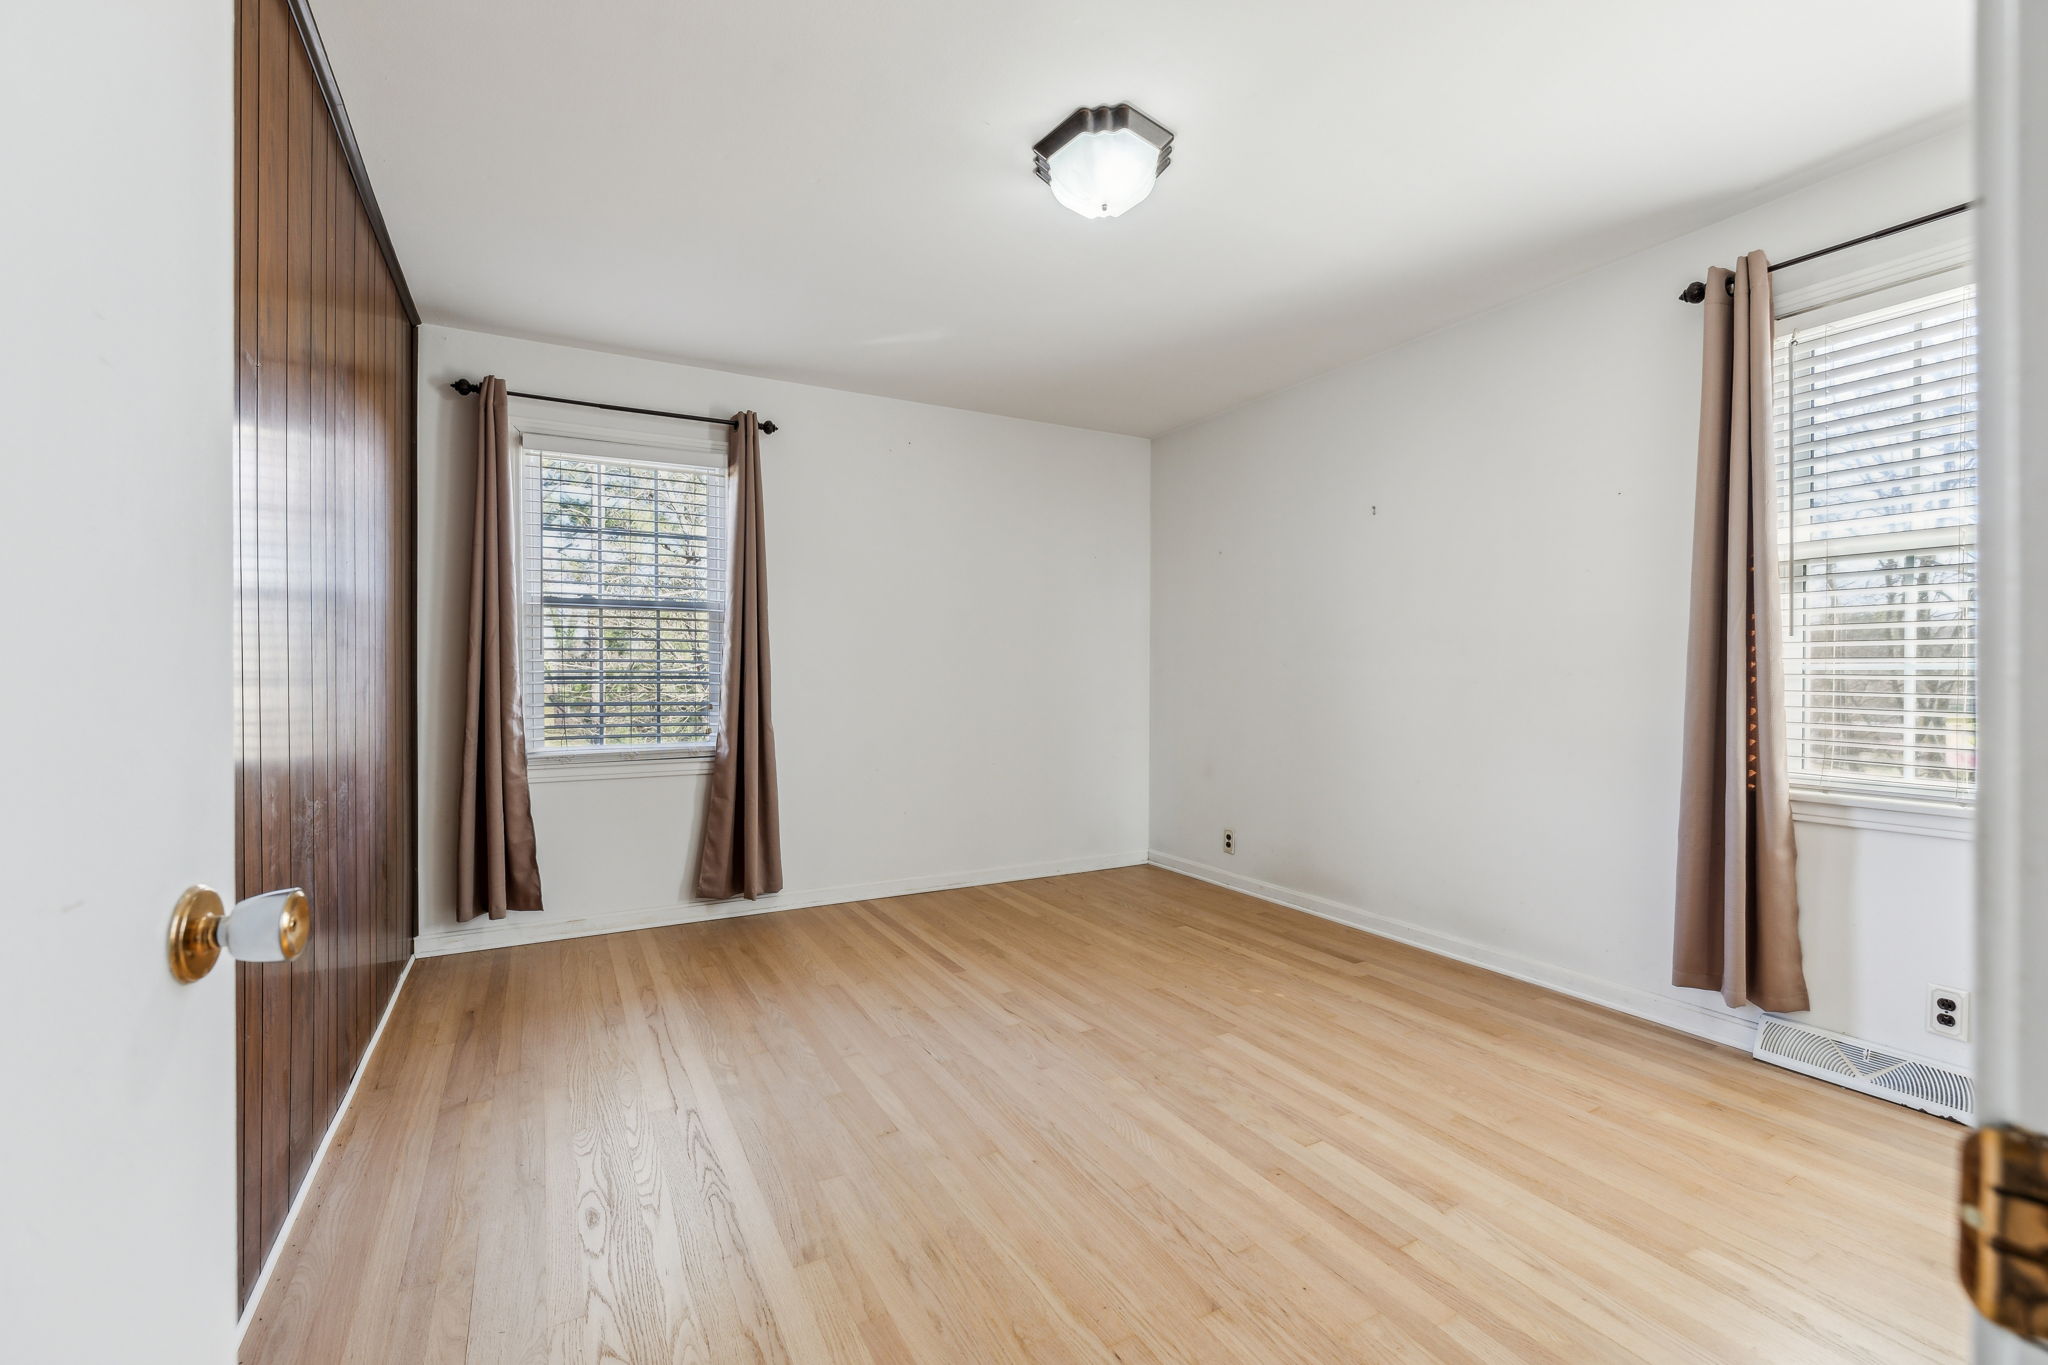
x=841 y=192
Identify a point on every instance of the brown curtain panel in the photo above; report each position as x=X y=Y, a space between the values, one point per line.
x=741 y=853
x=496 y=866
x=1738 y=907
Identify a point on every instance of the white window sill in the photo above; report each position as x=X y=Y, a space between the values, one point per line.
x=547 y=767
x=1899 y=815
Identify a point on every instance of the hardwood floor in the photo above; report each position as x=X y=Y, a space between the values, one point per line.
x=1122 y=1116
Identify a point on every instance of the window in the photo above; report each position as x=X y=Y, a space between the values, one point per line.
x=1876 y=415
x=623 y=566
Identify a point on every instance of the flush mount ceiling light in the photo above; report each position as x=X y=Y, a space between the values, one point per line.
x=1102 y=162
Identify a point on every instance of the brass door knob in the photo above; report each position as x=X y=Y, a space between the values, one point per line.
x=272 y=927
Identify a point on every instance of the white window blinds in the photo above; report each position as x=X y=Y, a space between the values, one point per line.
x=1877 y=427
x=624 y=570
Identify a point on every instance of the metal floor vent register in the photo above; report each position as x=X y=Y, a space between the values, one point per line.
x=1831 y=1057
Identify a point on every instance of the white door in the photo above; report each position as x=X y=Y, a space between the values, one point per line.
x=117 y=1098
x=2012 y=131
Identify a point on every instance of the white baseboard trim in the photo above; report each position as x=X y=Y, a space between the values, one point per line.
x=291 y=1215
x=546 y=927
x=1703 y=1021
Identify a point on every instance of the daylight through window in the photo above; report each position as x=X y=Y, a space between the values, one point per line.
x=1877 y=429
x=623 y=563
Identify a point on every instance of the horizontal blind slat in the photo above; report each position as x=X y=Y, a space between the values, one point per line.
x=1875 y=424
x=623 y=569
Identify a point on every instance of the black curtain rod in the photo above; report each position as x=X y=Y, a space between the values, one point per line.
x=1697 y=291
x=466 y=387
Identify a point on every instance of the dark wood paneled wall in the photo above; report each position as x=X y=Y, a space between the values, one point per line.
x=324 y=395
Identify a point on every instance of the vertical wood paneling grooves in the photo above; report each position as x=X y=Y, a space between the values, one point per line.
x=248 y=829
x=298 y=544
x=323 y=382
x=263 y=1172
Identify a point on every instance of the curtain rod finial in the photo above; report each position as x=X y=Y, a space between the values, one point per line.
x=466 y=387
x=1696 y=292
x=767 y=428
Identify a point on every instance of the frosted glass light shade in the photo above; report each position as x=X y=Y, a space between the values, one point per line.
x=1103 y=162
x=1103 y=175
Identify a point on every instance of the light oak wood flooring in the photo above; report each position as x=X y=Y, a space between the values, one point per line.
x=1121 y=1116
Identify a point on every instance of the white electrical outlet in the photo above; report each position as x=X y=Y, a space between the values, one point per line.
x=1230 y=841
x=1948 y=1012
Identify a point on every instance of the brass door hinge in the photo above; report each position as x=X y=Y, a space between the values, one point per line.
x=2004 y=1215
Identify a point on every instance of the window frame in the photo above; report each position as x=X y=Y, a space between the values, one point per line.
x=1876 y=277
x=539 y=427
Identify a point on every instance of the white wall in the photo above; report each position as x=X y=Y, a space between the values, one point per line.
x=958 y=607
x=117 y=356
x=1884 y=915
x=1419 y=636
